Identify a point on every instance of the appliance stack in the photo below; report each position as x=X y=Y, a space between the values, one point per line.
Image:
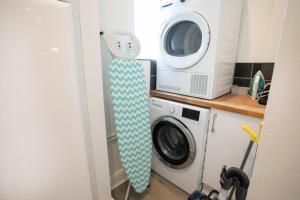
x=198 y=47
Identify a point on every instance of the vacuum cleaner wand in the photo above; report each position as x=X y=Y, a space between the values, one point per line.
x=232 y=179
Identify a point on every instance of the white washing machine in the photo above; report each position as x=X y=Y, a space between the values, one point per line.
x=198 y=46
x=179 y=134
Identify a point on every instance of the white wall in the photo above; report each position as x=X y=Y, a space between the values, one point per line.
x=260 y=30
x=277 y=172
x=117 y=15
x=146 y=22
x=42 y=148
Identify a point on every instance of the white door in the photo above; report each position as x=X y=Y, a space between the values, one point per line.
x=226 y=145
x=42 y=145
x=184 y=39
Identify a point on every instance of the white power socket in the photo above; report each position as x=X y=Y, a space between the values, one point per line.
x=124 y=45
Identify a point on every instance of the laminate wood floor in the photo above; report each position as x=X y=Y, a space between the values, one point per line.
x=160 y=189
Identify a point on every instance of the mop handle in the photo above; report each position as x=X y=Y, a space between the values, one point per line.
x=254 y=139
x=253 y=135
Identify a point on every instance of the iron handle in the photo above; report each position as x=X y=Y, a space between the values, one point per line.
x=213 y=122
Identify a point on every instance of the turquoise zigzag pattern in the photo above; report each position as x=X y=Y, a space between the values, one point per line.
x=131 y=112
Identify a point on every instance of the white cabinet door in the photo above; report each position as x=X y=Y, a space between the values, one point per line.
x=226 y=144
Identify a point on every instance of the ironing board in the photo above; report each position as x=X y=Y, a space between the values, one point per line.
x=131 y=112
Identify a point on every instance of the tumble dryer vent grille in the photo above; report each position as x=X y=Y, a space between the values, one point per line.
x=199 y=84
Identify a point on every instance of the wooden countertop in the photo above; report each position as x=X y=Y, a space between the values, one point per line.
x=233 y=103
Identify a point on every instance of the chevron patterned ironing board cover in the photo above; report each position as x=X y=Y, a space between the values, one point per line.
x=131 y=112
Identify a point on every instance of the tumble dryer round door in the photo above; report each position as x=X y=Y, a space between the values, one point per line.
x=184 y=39
x=174 y=144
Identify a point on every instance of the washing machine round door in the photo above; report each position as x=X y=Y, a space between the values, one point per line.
x=184 y=39
x=174 y=144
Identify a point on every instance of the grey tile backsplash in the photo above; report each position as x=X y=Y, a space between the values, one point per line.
x=153 y=74
x=244 y=72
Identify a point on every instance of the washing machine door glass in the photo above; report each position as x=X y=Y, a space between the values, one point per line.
x=173 y=142
x=184 y=39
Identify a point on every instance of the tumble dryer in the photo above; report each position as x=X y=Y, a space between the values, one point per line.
x=198 y=47
x=179 y=134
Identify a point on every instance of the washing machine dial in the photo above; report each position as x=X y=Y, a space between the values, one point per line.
x=172 y=110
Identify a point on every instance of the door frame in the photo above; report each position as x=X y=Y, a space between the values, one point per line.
x=89 y=75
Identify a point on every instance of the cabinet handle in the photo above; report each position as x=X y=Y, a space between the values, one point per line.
x=213 y=122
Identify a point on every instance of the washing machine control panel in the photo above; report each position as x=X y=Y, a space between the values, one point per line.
x=190 y=114
x=179 y=111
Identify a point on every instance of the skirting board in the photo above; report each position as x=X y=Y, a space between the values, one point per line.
x=117 y=179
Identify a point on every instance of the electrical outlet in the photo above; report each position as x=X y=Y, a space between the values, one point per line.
x=118 y=44
x=129 y=45
x=123 y=45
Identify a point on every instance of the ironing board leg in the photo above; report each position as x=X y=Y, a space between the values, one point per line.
x=128 y=191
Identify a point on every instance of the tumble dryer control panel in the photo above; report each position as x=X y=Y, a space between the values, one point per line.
x=168 y=3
